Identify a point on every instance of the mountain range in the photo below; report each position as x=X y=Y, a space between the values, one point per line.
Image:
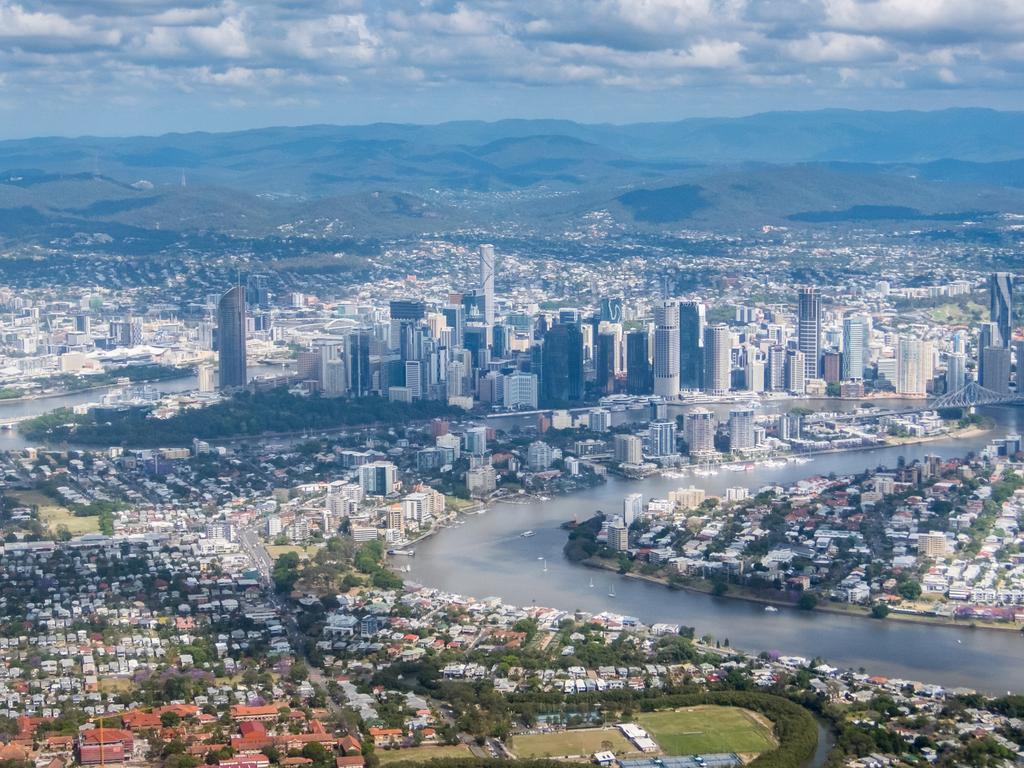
x=782 y=168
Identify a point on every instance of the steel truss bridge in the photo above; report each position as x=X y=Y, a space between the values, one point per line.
x=972 y=394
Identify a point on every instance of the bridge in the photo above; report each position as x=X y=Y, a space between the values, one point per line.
x=972 y=394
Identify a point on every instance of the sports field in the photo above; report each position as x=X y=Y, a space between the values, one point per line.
x=420 y=754
x=699 y=730
x=53 y=515
x=584 y=741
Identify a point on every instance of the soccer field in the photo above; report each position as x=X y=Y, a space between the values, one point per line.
x=699 y=730
x=585 y=741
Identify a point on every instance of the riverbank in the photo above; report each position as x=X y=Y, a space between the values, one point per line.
x=739 y=592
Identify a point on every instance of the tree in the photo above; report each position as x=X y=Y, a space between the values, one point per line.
x=807 y=602
x=909 y=589
x=170 y=719
x=879 y=610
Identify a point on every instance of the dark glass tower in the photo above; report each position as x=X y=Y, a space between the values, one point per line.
x=231 y=338
x=691 y=345
x=562 y=363
x=1000 y=305
x=604 y=363
x=638 y=365
x=809 y=330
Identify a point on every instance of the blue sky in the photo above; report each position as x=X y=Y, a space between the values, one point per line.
x=150 y=66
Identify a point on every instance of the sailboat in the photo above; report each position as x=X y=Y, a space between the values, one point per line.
x=611 y=590
x=545 y=566
x=591 y=582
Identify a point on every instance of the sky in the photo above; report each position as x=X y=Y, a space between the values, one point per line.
x=121 y=67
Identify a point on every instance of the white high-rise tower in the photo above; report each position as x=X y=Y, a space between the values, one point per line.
x=487 y=281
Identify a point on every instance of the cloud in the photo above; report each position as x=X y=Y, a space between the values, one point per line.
x=303 y=52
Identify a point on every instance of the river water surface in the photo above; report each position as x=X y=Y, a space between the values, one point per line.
x=487 y=556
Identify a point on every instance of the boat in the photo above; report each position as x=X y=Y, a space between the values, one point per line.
x=403 y=552
x=591 y=582
x=770 y=609
x=611 y=591
x=528 y=534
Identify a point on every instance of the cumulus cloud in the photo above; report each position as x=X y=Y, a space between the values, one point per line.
x=305 y=51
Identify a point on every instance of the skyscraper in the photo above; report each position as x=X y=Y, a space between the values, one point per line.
x=914 y=366
x=487 y=281
x=691 y=345
x=562 y=363
x=666 y=349
x=809 y=330
x=776 y=374
x=956 y=371
x=604 y=363
x=854 y=344
x=1000 y=305
x=638 y=366
x=741 y=429
x=796 y=369
x=717 y=359
x=701 y=424
x=995 y=372
x=231 y=338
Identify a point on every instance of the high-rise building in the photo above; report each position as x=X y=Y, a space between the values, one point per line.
x=662 y=435
x=638 y=365
x=1000 y=304
x=754 y=374
x=206 y=378
x=562 y=364
x=914 y=366
x=520 y=390
x=796 y=371
x=691 y=345
x=701 y=424
x=628 y=449
x=618 y=535
x=995 y=369
x=741 y=429
x=830 y=366
x=604 y=363
x=487 y=281
x=717 y=359
x=632 y=508
x=231 y=338
x=666 y=349
x=956 y=371
x=854 y=345
x=257 y=291
x=378 y=478
x=357 y=363
x=776 y=373
x=809 y=330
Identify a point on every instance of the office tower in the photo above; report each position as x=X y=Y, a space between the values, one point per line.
x=776 y=374
x=691 y=345
x=796 y=370
x=569 y=315
x=453 y=319
x=257 y=292
x=830 y=366
x=334 y=377
x=1000 y=305
x=666 y=349
x=995 y=370
x=127 y=332
x=956 y=371
x=83 y=323
x=455 y=378
x=700 y=431
x=475 y=440
x=611 y=310
x=414 y=378
x=487 y=281
x=754 y=374
x=562 y=364
x=604 y=363
x=206 y=378
x=499 y=341
x=854 y=345
x=914 y=366
x=378 y=478
x=599 y=420
x=741 y=429
x=717 y=359
x=521 y=390
x=628 y=449
x=662 y=438
x=357 y=362
x=809 y=330
x=632 y=508
x=988 y=336
x=959 y=342
x=231 y=338
x=307 y=365
x=638 y=365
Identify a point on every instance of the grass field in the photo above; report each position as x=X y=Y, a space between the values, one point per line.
x=53 y=515
x=698 y=730
x=276 y=550
x=577 y=742
x=953 y=313
x=420 y=754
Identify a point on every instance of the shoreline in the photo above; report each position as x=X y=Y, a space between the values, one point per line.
x=826 y=607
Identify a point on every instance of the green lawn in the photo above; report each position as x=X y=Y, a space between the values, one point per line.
x=585 y=741
x=53 y=515
x=699 y=730
x=304 y=553
x=420 y=754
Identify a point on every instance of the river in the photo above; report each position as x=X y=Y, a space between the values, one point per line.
x=486 y=556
